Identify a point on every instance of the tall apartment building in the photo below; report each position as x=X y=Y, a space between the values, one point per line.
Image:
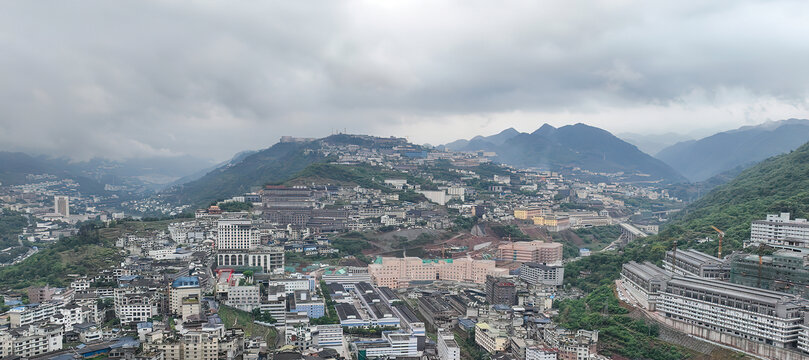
x=399 y=272
x=693 y=262
x=236 y=234
x=61 y=205
x=500 y=291
x=540 y=274
x=205 y=344
x=448 y=348
x=780 y=231
x=531 y=251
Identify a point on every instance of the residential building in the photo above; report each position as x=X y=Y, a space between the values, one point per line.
x=490 y=339
x=183 y=288
x=448 y=348
x=572 y=345
x=500 y=291
x=30 y=314
x=30 y=341
x=539 y=274
x=61 y=205
x=780 y=231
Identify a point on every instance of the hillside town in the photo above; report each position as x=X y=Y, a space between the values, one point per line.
x=429 y=254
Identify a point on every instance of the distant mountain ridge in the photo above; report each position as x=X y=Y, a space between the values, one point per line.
x=578 y=145
x=93 y=174
x=701 y=159
x=497 y=139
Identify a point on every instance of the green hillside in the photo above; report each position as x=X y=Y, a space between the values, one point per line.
x=275 y=164
x=777 y=184
x=83 y=254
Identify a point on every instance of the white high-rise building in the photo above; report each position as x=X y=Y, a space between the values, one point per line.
x=780 y=231
x=61 y=205
x=236 y=234
x=448 y=349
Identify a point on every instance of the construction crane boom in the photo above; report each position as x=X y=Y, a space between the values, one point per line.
x=721 y=236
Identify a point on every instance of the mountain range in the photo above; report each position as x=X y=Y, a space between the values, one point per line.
x=92 y=175
x=701 y=159
x=578 y=145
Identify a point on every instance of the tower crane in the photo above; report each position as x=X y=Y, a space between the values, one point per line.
x=721 y=236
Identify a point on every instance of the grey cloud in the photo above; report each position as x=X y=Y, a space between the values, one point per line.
x=143 y=78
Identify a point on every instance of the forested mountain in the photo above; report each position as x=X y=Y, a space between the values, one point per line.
x=570 y=146
x=275 y=164
x=701 y=159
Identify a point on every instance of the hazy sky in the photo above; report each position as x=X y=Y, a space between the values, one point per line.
x=141 y=78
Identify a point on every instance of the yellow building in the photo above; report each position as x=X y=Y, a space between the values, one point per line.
x=528 y=213
x=553 y=223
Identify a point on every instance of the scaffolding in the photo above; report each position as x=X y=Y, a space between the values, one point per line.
x=786 y=271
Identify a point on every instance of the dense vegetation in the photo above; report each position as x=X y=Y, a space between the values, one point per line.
x=599 y=234
x=12 y=224
x=234 y=206
x=351 y=243
x=84 y=254
x=235 y=318
x=619 y=334
x=778 y=184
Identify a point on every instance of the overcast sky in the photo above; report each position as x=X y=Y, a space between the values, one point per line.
x=139 y=78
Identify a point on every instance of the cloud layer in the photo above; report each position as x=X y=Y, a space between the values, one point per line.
x=143 y=78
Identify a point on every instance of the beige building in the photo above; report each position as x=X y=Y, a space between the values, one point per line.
x=489 y=338
x=528 y=213
x=531 y=251
x=399 y=272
